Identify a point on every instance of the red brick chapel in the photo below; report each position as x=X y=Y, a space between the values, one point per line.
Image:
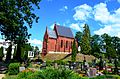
x=58 y=40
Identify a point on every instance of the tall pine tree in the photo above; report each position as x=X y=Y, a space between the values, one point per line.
x=85 y=42
x=74 y=52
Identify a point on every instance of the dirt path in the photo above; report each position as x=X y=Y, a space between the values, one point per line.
x=2 y=75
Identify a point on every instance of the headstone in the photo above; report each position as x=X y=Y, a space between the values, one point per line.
x=56 y=65
x=92 y=72
x=21 y=68
x=71 y=67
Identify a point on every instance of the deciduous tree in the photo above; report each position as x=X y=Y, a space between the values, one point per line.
x=15 y=15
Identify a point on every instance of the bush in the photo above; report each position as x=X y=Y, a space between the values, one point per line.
x=61 y=73
x=49 y=73
x=24 y=74
x=49 y=63
x=60 y=62
x=36 y=75
x=10 y=77
x=110 y=64
x=99 y=77
x=105 y=72
x=107 y=77
x=13 y=68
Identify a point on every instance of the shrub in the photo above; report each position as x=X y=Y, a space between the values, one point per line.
x=60 y=62
x=99 y=77
x=105 y=72
x=13 y=68
x=49 y=73
x=36 y=75
x=49 y=63
x=10 y=77
x=24 y=74
x=110 y=64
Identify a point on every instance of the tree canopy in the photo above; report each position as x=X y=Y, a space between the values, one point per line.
x=14 y=14
x=98 y=45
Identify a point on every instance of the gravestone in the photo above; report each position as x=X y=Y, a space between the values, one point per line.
x=92 y=72
x=56 y=65
x=21 y=68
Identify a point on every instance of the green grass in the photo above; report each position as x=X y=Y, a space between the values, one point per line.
x=10 y=77
x=79 y=57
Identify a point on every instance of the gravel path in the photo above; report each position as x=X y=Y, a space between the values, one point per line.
x=2 y=75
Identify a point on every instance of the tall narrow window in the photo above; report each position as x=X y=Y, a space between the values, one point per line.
x=66 y=44
x=61 y=43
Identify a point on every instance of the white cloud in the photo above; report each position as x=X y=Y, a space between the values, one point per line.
x=63 y=9
x=101 y=13
x=113 y=30
x=101 y=31
x=82 y=12
x=35 y=41
x=75 y=26
x=52 y=25
x=110 y=21
x=1 y=40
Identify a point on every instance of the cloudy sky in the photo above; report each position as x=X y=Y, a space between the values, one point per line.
x=102 y=16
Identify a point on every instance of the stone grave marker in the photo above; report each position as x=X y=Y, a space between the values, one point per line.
x=92 y=72
x=21 y=68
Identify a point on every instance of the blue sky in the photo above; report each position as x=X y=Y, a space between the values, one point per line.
x=102 y=16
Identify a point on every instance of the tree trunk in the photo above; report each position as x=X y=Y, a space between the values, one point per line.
x=18 y=53
x=9 y=50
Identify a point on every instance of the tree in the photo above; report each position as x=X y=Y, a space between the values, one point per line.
x=95 y=40
x=14 y=14
x=24 y=51
x=1 y=53
x=85 y=41
x=101 y=63
x=74 y=52
x=78 y=37
x=116 y=44
x=8 y=55
x=110 y=50
x=36 y=50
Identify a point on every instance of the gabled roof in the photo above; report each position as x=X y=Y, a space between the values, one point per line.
x=64 y=31
x=51 y=34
